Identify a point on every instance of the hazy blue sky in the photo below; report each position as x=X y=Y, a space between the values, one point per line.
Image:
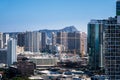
x=22 y=15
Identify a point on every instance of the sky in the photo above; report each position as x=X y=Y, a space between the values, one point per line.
x=30 y=15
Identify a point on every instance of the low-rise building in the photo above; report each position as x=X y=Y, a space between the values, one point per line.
x=42 y=60
x=26 y=67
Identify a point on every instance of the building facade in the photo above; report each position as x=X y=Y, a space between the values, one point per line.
x=43 y=41
x=111 y=43
x=5 y=39
x=83 y=45
x=69 y=41
x=11 y=51
x=53 y=42
x=111 y=49
x=73 y=39
x=21 y=39
x=1 y=40
x=26 y=68
x=95 y=44
x=118 y=8
x=104 y=45
x=61 y=39
x=29 y=41
x=3 y=56
x=36 y=41
x=32 y=41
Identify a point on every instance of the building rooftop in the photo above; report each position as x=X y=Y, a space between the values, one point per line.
x=35 y=78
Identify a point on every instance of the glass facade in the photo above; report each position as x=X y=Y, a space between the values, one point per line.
x=94 y=45
x=118 y=8
x=104 y=45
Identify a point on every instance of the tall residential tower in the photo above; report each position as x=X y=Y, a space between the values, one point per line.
x=1 y=40
x=32 y=41
x=11 y=51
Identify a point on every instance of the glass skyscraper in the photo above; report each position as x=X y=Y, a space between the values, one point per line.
x=118 y=8
x=94 y=44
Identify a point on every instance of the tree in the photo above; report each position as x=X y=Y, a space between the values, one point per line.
x=20 y=78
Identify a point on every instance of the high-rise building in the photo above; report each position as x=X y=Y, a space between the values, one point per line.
x=11 y=51
x=29 y=41
x=53 y=41
x=95 y=44
x=111 y=49
x=1 y=40
x=5 y=39
x=107 y=44
x=111 y=41
x=43 y=41
x=83 y=45
x=69 y=41
x=61 y=39
x=3 y=56
x=21 y=39
x=118 y=8
x=36 y=41
x=73 y=39
x=32 y=41
x=104 y=46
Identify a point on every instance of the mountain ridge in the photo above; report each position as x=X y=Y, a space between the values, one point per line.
x=48 y=31
x=66 y=29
